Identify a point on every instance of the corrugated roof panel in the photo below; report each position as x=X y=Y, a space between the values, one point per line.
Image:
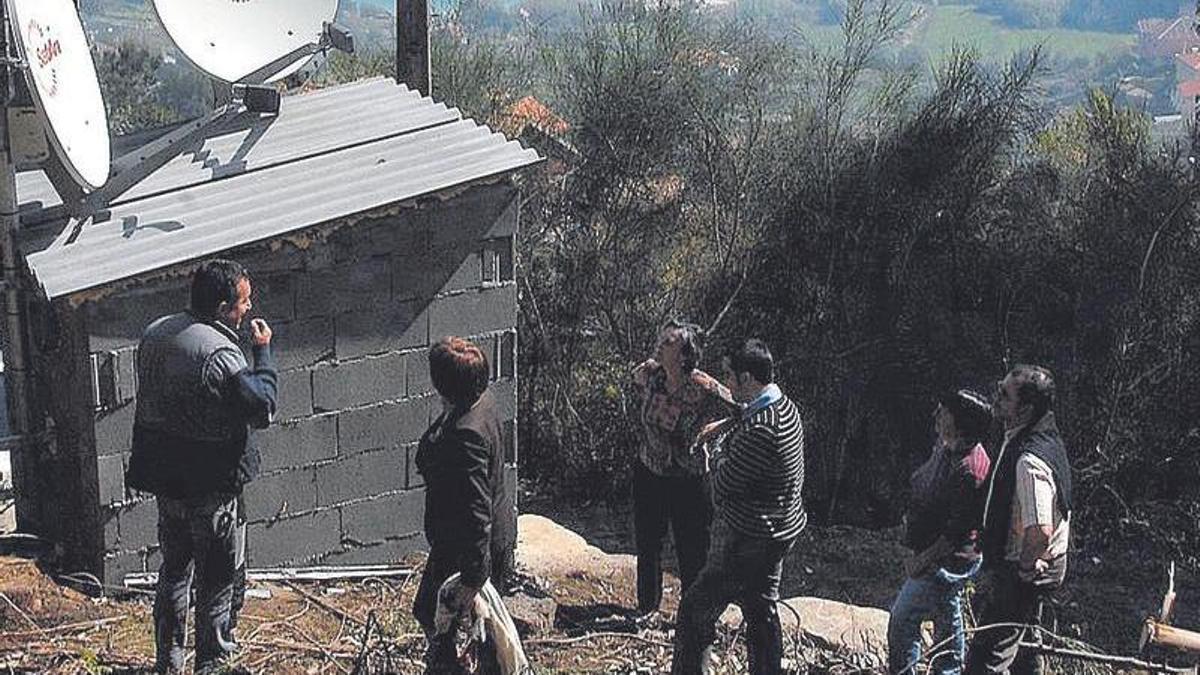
x=152 y=233
x=292 y=184
x=307 y=124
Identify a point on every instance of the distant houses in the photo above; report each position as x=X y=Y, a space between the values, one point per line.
x=1165 y=37
x=1176 y=39
x=1187 y=83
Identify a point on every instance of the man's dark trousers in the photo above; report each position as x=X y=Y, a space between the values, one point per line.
x=741 y=569
x=996 y=650
x=684 y=503
x=197 y=536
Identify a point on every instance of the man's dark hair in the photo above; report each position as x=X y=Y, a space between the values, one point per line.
x=1035 y=386
x=971 y=412
x=214 y=282
x=459 y=370
x=752 y=357
x=689 y=338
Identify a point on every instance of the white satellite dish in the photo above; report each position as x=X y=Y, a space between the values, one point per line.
x=233 y=39
x=63 y=83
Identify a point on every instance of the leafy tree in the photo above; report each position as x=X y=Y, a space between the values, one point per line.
x=131 y=88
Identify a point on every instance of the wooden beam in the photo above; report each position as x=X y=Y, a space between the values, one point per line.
x=1169 y=636
x=412 y=45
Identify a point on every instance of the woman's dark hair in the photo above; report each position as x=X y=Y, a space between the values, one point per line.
x=753 y=357
x=459 y=370
x=971 y=412
x=214 y=282
x=689 y=339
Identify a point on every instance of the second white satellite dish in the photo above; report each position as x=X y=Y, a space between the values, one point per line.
x=230 y=39
x=64 y=86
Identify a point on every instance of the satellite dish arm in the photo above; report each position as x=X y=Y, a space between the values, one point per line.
x=133 y=167
x=263 y=74
x=333 y=36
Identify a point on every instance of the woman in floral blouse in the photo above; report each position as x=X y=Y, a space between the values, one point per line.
x=669 y=479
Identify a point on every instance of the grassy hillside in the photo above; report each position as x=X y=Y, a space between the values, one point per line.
x=947 y=25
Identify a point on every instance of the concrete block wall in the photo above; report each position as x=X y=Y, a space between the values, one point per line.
x=354 y=308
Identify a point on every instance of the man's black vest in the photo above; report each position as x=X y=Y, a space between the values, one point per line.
x=188 y=440
x=1042 y=440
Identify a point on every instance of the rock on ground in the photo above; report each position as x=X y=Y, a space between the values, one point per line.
x=546 y=548
x=830 y=626
x=532 y=616
x=575 y=568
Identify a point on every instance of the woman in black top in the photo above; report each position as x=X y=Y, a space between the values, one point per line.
x=461 y=460
x=942 y=526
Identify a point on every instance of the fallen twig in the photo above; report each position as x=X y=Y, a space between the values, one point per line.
x=64 y=628
x=298 y=647
x=106 y=657
x=595 y=636
x=324 y=650
x=21 y=612
x=341 y=613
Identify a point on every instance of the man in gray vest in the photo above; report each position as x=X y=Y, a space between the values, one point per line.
x=196 y=397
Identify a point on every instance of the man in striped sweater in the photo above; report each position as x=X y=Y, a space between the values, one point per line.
x=757 y=479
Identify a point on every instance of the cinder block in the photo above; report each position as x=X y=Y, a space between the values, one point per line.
x=114 y=429
x=302 y=342
x=276 y=256
x=464 y=264
x=419 y=382
x=297 y=443
x=498 y=261
x=117 y=565
x=481 y=213
x=382 y=553
x=382 y=426
x=118 y=320
x=280 y=495
x=273 y=296
x=508 y=355
x=490 y=262
x=153 y=559
x=510 y=441
x=397 y=515
x=450 y=267
x=112 y=530
x=358 y=284
x=110 y=474
x=370 y=237
x=139 y=524
x=125 y=365
x=509 y=506
x=506 y=224
x=295 y=394
x=414 y=478
x=300 y=539
x=474 y=313
x=370 y=380
x=389 y=327
x=363 y=475
x=487 y=345
x=505 y=393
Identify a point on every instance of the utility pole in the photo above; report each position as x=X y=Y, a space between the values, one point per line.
x=412 y=45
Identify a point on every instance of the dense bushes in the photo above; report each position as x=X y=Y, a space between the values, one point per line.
x=888 y=242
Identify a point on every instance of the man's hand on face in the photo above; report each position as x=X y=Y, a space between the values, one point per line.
x=260 y=333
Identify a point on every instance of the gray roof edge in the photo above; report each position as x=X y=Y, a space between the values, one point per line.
x=79 y=292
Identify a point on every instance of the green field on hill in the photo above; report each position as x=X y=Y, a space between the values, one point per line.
x=948 y=25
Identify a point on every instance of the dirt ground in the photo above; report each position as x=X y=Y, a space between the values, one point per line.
x=48 y=627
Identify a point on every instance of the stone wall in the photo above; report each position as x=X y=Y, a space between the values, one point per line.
x=354 y=307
